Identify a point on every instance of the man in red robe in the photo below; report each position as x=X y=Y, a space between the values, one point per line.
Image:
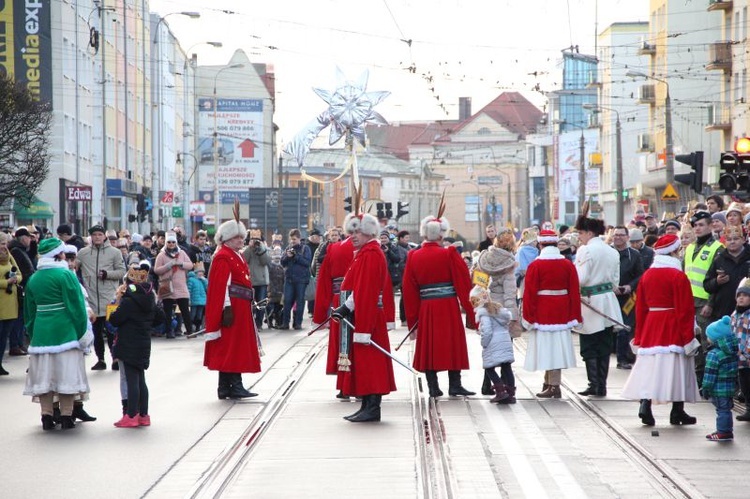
x=436 y=280
x=371 y=372
x=231 y=341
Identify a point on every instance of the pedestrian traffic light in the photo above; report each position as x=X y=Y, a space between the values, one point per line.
x=735 y=167
x=131 y=218
x=401 y=209
x=348 y=204
x=389 y=211
x=695 y=178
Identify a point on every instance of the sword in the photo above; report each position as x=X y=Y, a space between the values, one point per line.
x=320 y=325
x=407 y=335
x=618 y=323
x=366 y=339
x=197 y=333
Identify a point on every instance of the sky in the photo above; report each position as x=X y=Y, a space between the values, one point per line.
x=427 y=53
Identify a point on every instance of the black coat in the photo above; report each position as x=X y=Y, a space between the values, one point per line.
x=723 y=297
x=134 y=319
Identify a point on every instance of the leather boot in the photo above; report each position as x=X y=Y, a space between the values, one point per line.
x=432 y=383
x=371 y=412
x=552 y=392
x=511 y=395
x=56 y=414
x=365 y=401
x=487 y=386
x=67 y=422
x=47 y=422
x=644 y=412
x=80 y=413
x=592 y=375
x=454 y=385
x=678 y=416
x=602 y=370
x=744 y=378
x=224 y=382
x=501 y=393
x=236 y=390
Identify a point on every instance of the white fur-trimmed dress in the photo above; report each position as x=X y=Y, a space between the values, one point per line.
x=551 y=308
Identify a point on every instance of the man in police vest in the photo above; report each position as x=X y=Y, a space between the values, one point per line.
x=698 y=258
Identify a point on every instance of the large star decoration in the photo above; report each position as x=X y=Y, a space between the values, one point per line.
x=350 y=107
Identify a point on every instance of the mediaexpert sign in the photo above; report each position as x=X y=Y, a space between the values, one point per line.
x=78 y=192
x=237 y=150
x=26 y=45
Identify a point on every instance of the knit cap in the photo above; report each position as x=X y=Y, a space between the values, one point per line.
x=719 y=329
x=744 y=287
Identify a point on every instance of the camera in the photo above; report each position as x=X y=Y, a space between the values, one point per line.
x=13 y=272
x=256 y=243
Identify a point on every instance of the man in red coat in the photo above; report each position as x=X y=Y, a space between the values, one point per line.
x=338 y=259
x=231 y=341
x=436 y=280
x=371 y=372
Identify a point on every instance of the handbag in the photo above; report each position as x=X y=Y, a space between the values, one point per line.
x=165 y=288
x=310 y=289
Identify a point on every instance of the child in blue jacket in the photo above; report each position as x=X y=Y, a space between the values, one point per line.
x=197 y=286
x=720 y=376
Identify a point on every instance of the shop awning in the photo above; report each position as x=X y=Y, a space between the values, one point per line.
x=37 y=209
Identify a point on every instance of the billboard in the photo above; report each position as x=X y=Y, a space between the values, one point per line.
x=236 y=151
x=569 y=164
x=26 y=46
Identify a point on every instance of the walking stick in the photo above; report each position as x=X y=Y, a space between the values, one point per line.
x=366 y=339
x=407 y=335
x=320 y=326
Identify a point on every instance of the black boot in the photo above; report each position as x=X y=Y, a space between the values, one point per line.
x=80 y=413
x=744 y=379
x=678 y=416
x=56 y=414
x=512 y=395
x=454 y=385
x=487 y=386
x=67 y=422
x=592 y=375
x=47 y=422
x=644 y=412
x=236 y=390
x=432 y=383
x=602 y=369
x=224 y=382
x=371 y=411
x=362 y=407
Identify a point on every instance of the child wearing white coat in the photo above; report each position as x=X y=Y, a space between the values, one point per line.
x=497 y=346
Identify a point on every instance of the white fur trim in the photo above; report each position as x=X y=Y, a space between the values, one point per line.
x=432 y=230
x=70 y=345
x=87 y=339
x=215 y=335
x=661 y=349
x=547 y=239
x=555 y=327
x=365 y=223
x=666 y=262
x=550 y=253
x=390 y=326
x=48 y=263
x=669 y=249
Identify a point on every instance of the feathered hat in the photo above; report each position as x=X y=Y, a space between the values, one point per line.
x=434 y=228
x=231 y=228
x=359 y=221
x=589 y=224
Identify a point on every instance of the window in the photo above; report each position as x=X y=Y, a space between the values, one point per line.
x=473 y=208
x=484 y=131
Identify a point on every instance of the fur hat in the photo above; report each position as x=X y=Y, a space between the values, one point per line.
x=719 y=329
x=364 y=222
x=667 y=244
x=227 y=231
x=590 y=224
x=744 y=286
x=138 y=272
x=547 y=237
x=432 y=228
x=51 y=247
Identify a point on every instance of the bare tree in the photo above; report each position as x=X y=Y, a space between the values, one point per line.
x=24 y=142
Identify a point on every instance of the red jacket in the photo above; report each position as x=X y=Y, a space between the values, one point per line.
x=551 y=295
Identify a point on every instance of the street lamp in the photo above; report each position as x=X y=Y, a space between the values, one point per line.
x=618 y=162
x=582 y=168
x=217 y=201
x=157 y=147
x=669 y=164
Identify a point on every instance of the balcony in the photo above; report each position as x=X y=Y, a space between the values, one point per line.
x=719 y=5
x=719 y=117
x=647 y=94
x=645 y=143
x=646 y=48
x=720 y=56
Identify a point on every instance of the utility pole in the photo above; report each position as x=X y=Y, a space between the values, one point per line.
x=582 y=173
x=620 y=216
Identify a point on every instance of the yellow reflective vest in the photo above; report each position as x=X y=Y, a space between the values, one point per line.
x=696 y=265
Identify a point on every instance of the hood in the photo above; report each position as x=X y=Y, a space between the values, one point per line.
x=191 y=273
x=727 y=344
x=496 y=260
x=141 y=295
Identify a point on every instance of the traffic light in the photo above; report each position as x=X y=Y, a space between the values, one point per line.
x=348 y=204
x=380 y=207
x=389 y=210
x=735 y=167
x=401 y=209
x=131 y=218
x=695 y=178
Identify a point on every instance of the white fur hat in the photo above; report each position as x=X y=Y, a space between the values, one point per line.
x=365 y=223
x=432 y=228
x=229 y=230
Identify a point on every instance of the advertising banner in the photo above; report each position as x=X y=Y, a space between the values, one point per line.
x=569 y=164
x=236 y=151
x=26 y=46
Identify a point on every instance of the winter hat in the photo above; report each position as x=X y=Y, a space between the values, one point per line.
x=172 y=237
x=385 y=233
x=226 y=231
x=720 y=217
x=432 y=228
x=50 y=247
x=744 y=287
x=138 y=272
x=136 y=238
x=719 y=329
x=364 y=222
x=738 y=207
x=22 y=231
x=673 y=223
x=667 y=244
x=64 y=229
x=70 y=250
x=479 y=296
x=547 y=236
x=636 y=235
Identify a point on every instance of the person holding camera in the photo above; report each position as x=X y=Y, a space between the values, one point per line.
x=257 y=256
x=172 y=265
x=296 y=261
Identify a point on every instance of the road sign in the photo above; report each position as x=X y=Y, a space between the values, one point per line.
x=176 y=211
x=670 y=194
x=167 y=197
